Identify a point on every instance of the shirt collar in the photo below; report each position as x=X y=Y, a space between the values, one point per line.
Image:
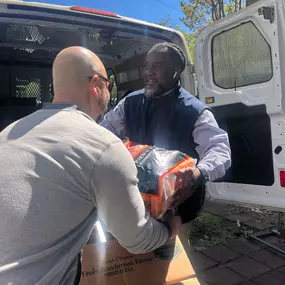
x=60 y=106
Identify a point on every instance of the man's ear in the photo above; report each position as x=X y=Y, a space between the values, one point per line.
x=95 y=89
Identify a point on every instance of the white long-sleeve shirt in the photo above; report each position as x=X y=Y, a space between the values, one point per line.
x=212 y=142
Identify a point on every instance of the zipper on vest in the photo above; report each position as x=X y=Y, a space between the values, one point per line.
x=150 y=104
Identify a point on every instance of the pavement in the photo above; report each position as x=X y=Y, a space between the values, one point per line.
x=251 y=217
x=240 y=261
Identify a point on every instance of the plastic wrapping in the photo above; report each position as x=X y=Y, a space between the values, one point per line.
x=157 y=170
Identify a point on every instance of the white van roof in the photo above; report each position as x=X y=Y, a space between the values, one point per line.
x=86 y=10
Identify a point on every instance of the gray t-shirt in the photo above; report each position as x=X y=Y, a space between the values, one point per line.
x=58 y=170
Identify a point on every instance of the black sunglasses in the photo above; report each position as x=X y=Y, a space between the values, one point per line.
x=110 y=83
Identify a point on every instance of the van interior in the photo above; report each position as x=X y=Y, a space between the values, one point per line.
x=27 y=51
x=252 y=157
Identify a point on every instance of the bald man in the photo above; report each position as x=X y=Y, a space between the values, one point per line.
x=59 y=171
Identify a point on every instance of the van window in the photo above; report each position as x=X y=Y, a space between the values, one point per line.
x=113 y=93
x=241 y=56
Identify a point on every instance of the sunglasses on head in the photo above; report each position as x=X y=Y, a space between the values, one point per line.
x=109 y=83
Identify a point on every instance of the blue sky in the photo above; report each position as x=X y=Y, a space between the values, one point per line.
x=147 y=10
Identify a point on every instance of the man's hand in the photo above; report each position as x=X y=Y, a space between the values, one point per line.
x=187 y=181
x=172 y=222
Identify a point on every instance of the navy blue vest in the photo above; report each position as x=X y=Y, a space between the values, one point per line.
x=167 y=121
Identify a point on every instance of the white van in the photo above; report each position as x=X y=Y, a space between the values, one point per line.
x=31 y=35
x=238 y=68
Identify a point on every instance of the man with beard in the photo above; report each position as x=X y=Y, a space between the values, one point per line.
x=166 y=115
x=59 y=171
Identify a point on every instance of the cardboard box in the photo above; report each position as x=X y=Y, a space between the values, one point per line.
x=110 y=264
x=192 y=281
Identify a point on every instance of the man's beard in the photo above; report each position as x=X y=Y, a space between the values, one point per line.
x=151 y=92
x=103 y=104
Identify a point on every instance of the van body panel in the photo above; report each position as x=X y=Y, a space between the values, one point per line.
x=239 y=67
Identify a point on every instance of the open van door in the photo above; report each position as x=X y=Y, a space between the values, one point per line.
x=240 y=62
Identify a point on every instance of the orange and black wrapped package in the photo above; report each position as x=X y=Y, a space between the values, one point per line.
x=157 y=169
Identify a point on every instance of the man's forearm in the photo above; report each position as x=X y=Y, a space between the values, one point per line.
x=212 y=146
x=153 y=235
x=119 y=203
x=215 y=163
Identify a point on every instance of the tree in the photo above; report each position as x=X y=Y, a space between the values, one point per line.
x=189 y=37
x=167 y=22
x=200 y=13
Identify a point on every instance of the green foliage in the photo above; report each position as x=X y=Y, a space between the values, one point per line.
x=200 y=13
x=197 y=14
x=191 y=40
x=189 y=37
x=167 y=22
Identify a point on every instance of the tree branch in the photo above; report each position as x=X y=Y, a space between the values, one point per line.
x=223 y=8
x=217 y=12
x=213 y=10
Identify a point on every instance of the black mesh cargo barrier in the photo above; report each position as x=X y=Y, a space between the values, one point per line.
x=26 y=88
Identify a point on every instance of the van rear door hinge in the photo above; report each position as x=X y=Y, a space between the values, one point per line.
x=268 y=13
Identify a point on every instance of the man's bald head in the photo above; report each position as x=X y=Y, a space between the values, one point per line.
x=71 y=68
